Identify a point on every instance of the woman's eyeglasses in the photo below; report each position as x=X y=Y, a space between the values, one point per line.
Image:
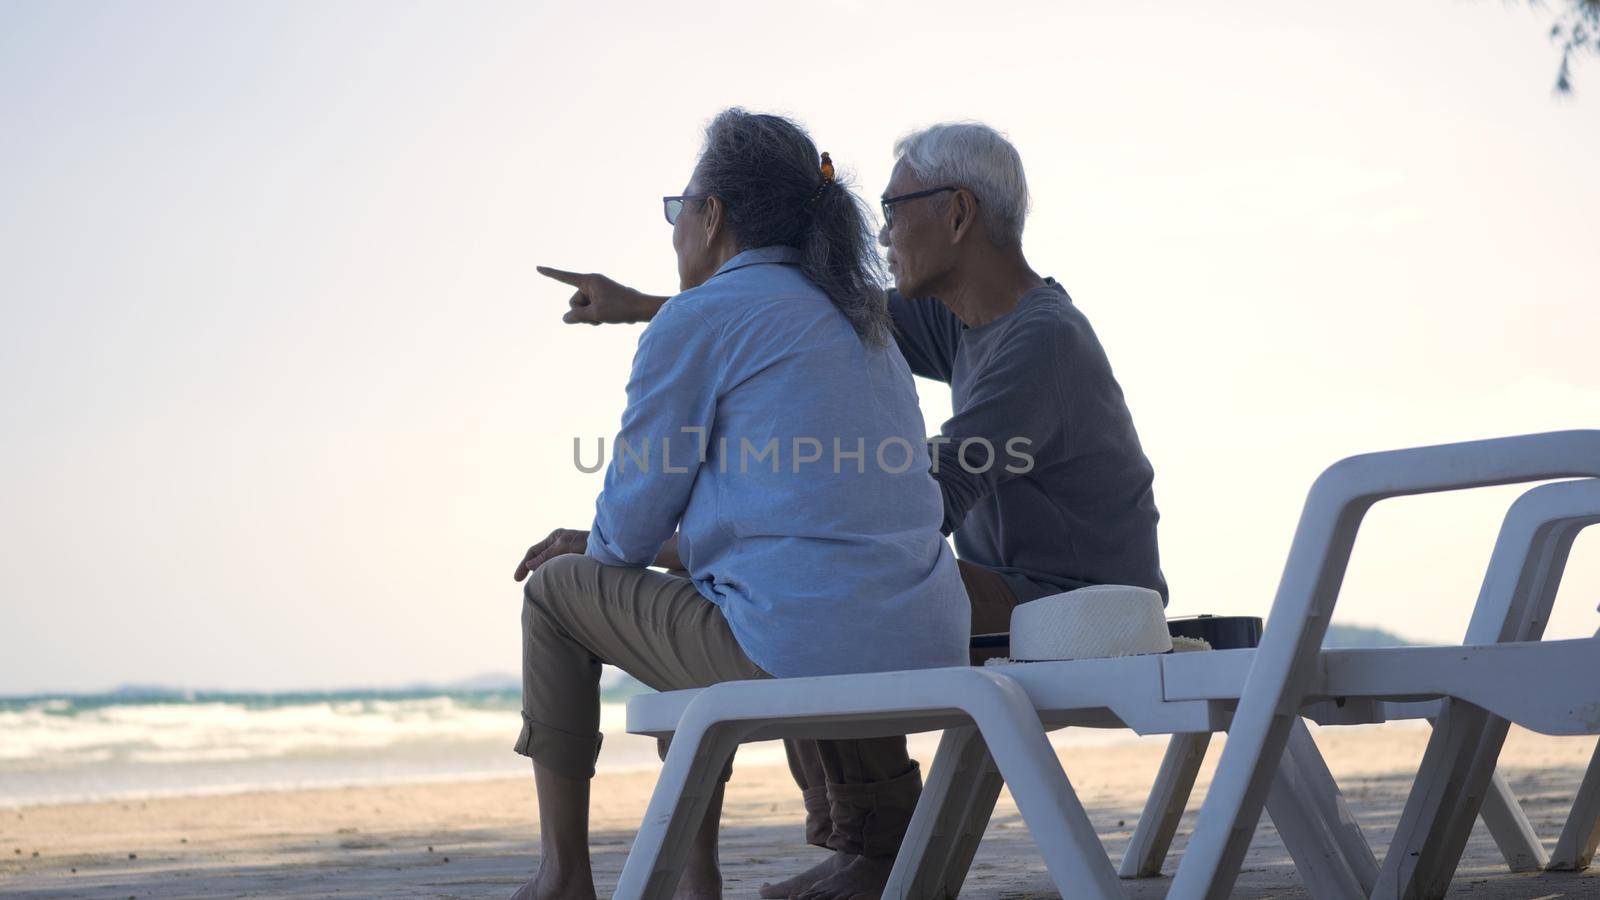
x=887 y=203
x=673 y=206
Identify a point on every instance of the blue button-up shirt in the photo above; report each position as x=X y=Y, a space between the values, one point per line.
x=791 y=458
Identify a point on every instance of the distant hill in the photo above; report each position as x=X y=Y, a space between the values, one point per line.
x=1344 y=636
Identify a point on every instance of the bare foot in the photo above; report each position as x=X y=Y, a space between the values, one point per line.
x=546 y=888
x=863 y=879
x=793 y=886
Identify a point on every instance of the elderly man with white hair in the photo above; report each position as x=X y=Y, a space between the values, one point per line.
x=1045 y=485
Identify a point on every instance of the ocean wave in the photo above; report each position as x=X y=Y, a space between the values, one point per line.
x=56 y=750
x=53 y=732
x=61 y=749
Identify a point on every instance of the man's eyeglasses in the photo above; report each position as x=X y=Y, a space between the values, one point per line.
x=673 y=206
x=887 y=203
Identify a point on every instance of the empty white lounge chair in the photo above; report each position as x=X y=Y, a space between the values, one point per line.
x=1458 y=771
x=1518 y=590
x=1285 y=667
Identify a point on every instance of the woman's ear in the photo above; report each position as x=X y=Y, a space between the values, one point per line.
x=713 y=220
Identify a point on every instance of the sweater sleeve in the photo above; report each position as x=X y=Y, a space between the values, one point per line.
x=1015 y=411
x=928 y=334
x=672 y=399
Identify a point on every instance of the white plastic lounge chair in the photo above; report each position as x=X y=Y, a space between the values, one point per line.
x=1312 y=818
x=1519 y=588
x=964 y=811
x=1285 y=669
x=1458 y=770
x=1167 y=694
x=707 y=725
x=832 y=707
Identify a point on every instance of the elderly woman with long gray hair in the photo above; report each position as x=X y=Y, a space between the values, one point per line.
x=788 y=560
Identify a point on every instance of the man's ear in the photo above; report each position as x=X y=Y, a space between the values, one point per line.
x=963 y=215
x=713 y=218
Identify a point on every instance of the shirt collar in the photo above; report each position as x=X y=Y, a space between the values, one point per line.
x=1050 y=287
x=780 y=255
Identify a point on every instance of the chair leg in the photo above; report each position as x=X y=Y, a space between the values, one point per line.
x=1152 y=837
x=1444 y=849
x=949 y=821
x=1509 y=826
x=985 y=790
x=1425 y=806
x=1297 y=813
x=693 y=767
x=1045 y=797
x=1335 y=812
x=1440 y=809
x=1575 y=848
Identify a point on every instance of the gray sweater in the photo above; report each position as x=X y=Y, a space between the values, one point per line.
x=1036 y=383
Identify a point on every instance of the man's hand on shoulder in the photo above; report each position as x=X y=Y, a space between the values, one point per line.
x=598 y=300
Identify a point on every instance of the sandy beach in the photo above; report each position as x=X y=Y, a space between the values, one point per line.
x=478 y=838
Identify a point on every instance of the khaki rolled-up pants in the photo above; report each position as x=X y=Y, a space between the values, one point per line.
x=577 y=614
x=860 y=794
x=657 y=627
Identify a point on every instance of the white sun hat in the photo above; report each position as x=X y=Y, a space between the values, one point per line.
x=1091 y=623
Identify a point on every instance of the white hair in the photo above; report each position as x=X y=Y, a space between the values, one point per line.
x=974 y=156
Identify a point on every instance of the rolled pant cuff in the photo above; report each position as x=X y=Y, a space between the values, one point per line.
x=871 y=819
x=562 y=752
x=819 y=815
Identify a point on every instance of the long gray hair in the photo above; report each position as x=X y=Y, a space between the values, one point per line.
x=768 y=175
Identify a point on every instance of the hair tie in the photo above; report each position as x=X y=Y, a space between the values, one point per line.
x=827 y=178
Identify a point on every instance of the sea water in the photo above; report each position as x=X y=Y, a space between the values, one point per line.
x=136 y=743
x=154 y=742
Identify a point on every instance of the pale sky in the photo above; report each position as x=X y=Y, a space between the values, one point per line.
x=286 y=399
